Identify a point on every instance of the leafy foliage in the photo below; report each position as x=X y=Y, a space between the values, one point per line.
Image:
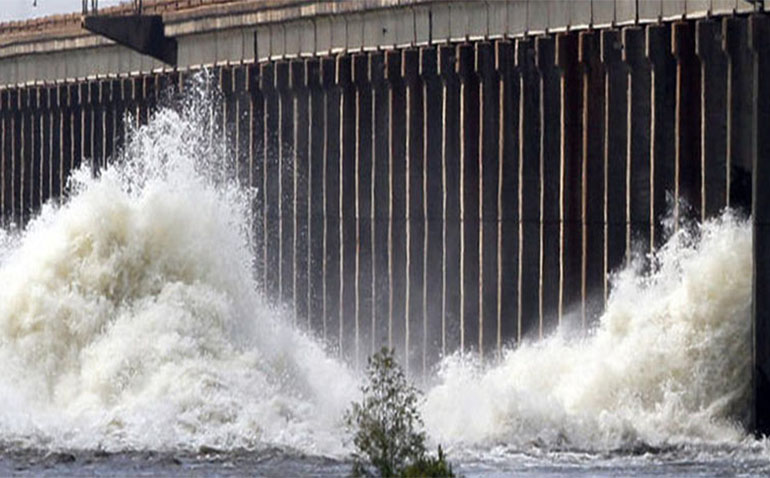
x=386 y=425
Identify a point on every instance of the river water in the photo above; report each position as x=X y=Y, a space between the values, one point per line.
x=133 y=342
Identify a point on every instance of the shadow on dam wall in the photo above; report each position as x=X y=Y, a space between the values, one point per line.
x=458 y=196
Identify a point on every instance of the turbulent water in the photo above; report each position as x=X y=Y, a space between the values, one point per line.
x=130 y=322
x=669 y=362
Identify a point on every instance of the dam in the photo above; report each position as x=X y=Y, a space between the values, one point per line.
x=431 y=175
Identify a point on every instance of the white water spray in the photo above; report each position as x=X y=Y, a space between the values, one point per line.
x=668 y=364
x=129 y=319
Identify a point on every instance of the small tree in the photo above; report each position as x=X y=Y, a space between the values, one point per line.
x=386 y=425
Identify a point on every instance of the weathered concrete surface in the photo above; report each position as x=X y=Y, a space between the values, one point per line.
x=214 y=31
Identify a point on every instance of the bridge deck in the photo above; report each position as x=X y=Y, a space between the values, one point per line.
x=215 y=31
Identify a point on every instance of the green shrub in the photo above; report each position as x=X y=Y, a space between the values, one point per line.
x=387 y=428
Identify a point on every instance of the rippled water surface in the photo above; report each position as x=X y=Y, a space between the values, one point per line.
x=277 y=463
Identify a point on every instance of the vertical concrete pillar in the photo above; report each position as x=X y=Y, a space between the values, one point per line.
x=242 y=124
x=149 y=101
x=228 y=118
x=740 y=110
x=550 y=180
x=349 y=321
x=381 y=206
x=256 y=167
x=270 y=182
x=663 y=104
x=451 y=330
x=713 y=147
x=301 y=189
x=17 y=157
x=35 y=156
x=508 y=194
x=688 y=121
x=286 y=182
x=433 y=260
x=86 y=124
x=138 y=102
x=27 y=103
x=530 y=323
x=97 y=125
x=397 y=200
x=489 y=170
x=332 y=262
x=316 y=239
x=107 y=105
x=469 y=197
x=415 y=213
x=592 y=177
x=570 y=191
x=638 y=166
x=5 y=160
x=130 y=95
x=119 y=125
x=46 y=134
x=15 y=145
x=170 y=83
x=66 y=100
x=55 y=122
x=759 y=39
x=615 y=152
x=364 y=207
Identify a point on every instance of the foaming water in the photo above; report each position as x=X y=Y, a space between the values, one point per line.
x=668 y=363
x=130 y=319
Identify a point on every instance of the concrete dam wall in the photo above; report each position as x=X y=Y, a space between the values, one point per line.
x=451 y=195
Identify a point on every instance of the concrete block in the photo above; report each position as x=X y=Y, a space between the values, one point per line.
x=379 y=30
x=355 y=34
x=559 y=12
x=650 y=10
x=743 y=6
x=339 y=31
x=625 y=11
x=517 y=17
x=100 y=63
x=263 y=42
x=441 y=21
x=478 y=19
x=603 y=12
x=277 y=46
x=719 y=7
x=468 y=19
x=498 y=18
x=229 y=45
x=248 y=43
x=405 y=26
x=422 y=24
x=581 y=13
x=673 y=9
x=68 y=66
x=323 y=28
x=113 y=59
x=58 y=67
x=134 y=62
x=5 y=71
x=537 y=16
x=22 y=69
x=145 y=63
x=698 y=8
x=203 y=49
